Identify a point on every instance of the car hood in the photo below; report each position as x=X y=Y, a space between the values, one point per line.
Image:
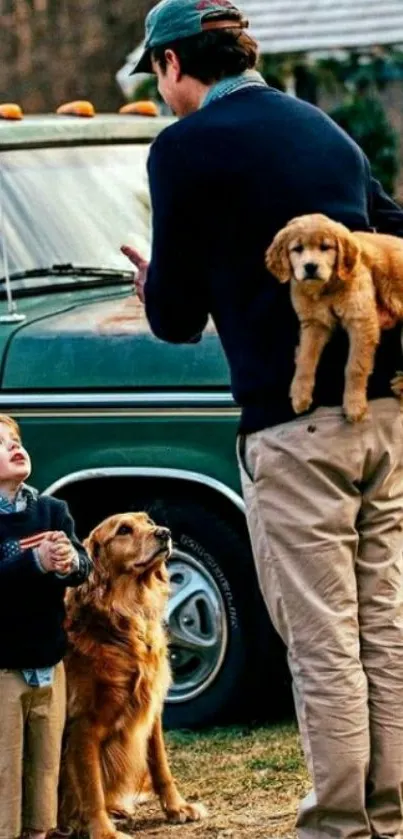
x=66 y=344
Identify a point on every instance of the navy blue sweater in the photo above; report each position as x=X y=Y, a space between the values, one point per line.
x=223 y=182
x=32 y=603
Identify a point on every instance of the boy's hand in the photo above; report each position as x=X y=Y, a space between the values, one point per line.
x=64 y=555
x=56 y=553
x=45 y=554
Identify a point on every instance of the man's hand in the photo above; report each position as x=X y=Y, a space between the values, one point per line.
x=142 y=269
x=56 y=553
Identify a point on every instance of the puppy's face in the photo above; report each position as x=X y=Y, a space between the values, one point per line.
x=312 y=257
x=130 y=543
x=312 y=250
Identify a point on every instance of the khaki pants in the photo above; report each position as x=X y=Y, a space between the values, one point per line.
x=31 y=728
x=325 y=511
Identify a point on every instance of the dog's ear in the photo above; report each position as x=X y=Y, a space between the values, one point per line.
x=349 y=253
x=99 y=576
x=92 y=546
x=277 y=259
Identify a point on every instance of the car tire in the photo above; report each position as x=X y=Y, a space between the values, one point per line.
x=218 y=563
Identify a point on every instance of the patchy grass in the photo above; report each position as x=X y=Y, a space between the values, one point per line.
x=250 y=779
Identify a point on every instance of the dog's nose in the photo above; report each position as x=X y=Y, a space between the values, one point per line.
x=311 y=269
x=163 y=534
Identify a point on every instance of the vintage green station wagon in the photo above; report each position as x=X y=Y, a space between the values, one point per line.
x=114 y=419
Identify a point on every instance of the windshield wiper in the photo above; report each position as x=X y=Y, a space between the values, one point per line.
x=70 y=270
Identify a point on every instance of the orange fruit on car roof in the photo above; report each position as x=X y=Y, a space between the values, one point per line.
x=145 y=108
x=9 y=110
x=80 y=108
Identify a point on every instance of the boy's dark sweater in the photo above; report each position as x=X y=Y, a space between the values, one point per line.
x=32 y=609
x=223 y=182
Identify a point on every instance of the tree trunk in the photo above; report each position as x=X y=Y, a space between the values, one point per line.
x=52 y=51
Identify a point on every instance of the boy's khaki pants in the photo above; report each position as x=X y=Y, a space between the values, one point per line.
x=325 y=511
x=31 y=728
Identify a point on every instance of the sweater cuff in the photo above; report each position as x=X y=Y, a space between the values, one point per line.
x=38 y=561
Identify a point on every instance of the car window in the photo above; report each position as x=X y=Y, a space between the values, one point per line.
x=73 y=205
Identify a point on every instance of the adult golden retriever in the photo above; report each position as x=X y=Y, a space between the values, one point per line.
x=338 y=277
x=117 y=679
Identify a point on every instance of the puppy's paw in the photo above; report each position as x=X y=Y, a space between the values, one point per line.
x=355 y=408
x=397 y=384
x=301 y=396
x=300 y=406
x=184 y=812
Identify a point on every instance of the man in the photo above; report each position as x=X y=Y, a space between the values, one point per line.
x=324 y=498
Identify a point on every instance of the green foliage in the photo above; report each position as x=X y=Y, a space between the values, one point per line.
x=147 y=90
x=363 y=117
x=275 y=69
x=361 y=70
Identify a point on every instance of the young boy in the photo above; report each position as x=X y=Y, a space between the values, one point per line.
x=40 y=557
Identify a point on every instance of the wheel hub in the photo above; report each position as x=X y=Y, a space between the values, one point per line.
x=198 y=627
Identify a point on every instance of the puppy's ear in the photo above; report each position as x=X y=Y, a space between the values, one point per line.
x=349 y=253
x=277 y=259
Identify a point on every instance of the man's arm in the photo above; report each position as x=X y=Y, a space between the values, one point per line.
x=176 y=296
x=385 y=214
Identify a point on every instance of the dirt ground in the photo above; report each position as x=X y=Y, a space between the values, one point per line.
x=250 y=780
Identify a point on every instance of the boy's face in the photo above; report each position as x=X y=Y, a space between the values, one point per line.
x=15 y=463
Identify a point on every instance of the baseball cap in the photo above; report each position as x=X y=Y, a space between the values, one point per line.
x=174 y=20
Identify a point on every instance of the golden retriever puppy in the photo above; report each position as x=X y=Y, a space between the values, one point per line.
x=117 y=679
x=337 y=277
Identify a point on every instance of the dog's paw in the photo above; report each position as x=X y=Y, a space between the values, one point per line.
x=397 y=384
x=111 y=833
x=118 y=813
x=185 y=812
x=300 y=406
x=301 y=400
x=122 y=808
x=103 y=828
x=301 y=395
x=355 y=408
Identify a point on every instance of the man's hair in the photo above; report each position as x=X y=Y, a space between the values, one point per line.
x=12 y=424
x=212 y=55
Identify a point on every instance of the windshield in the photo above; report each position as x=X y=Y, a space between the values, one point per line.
x=74 y=205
